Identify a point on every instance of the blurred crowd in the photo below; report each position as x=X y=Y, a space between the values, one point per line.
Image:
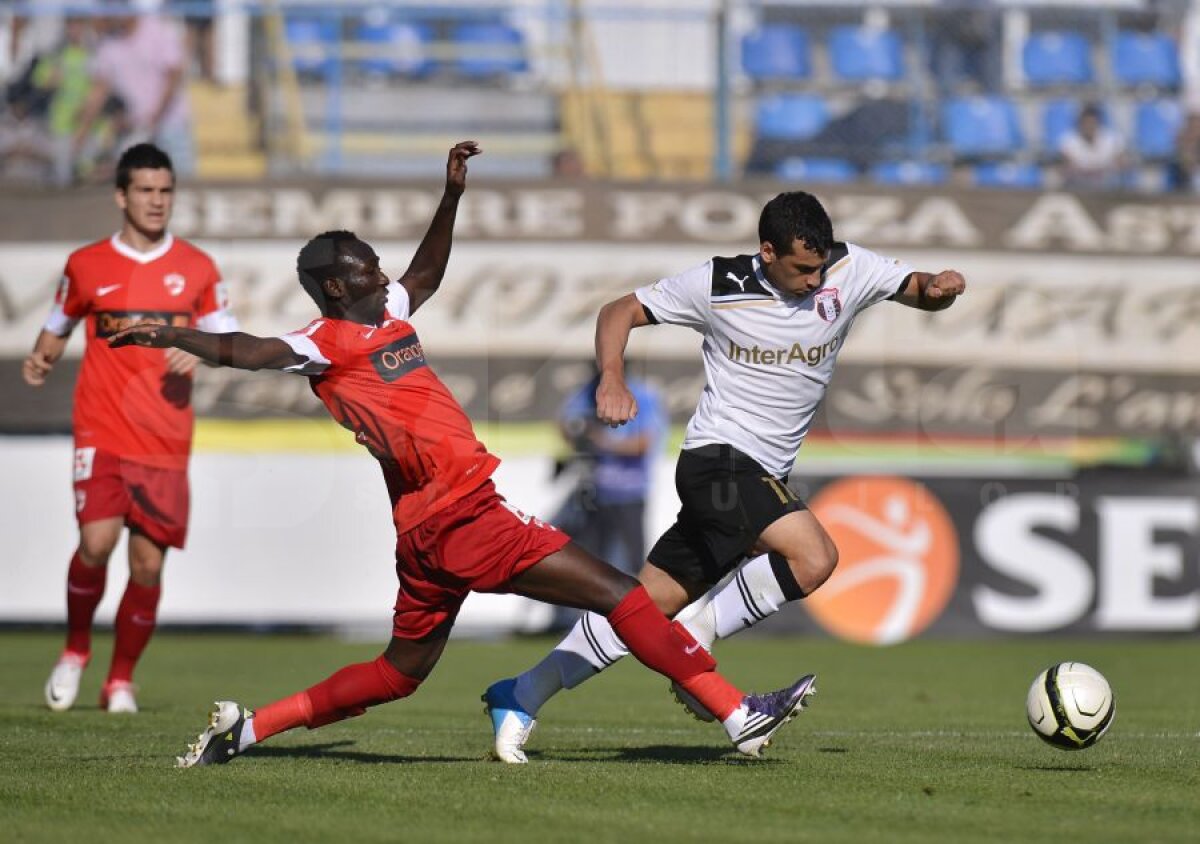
x=953 y=94
x=87 y=89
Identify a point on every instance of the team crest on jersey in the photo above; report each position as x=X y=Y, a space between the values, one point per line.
x=174 y=283
x=828 y=304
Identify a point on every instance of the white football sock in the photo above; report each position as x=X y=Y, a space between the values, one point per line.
x=589 y=648
x=699 y=617
x=752 y=595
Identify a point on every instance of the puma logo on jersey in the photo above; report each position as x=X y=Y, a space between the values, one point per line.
x=108 y=288
x=739 y=281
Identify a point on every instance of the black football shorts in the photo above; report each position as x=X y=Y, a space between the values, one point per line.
x=727 y=500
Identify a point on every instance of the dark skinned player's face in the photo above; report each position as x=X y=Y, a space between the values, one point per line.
x=798 y=272
x=364 y=284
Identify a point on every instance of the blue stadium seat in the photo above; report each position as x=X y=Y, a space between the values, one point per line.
x=981 y=126
x=1058 y=118
x=489 y=49
x=816 y=170
x=1057 y=58
x=401 y=48
x=313 y=43
x=910 y=173
x=790 y=116
x=866 y=52
x=1145 y=58
x=781 y=51
x=1156 y=127
x=1007 y=175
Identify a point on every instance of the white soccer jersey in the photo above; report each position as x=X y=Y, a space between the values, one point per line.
x=768 y=356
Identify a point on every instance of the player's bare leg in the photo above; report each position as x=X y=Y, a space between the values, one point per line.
x=347 y=693
x=86 y=579
x=799 y=557
x=573 y=577
x=592 y=645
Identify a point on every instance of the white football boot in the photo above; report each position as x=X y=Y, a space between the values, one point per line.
x=63 y=685
x=511 y=724
x=119 y=696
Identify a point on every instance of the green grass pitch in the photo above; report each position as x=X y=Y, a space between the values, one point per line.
x=915 y=743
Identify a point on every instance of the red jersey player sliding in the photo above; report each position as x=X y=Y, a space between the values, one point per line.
x=132 y=417
x=455 y=533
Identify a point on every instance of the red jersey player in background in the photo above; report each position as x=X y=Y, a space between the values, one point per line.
x=455 y=533
x=132 y=417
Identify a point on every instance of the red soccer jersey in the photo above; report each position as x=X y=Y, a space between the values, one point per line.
x=375 y=381
x=126 y=401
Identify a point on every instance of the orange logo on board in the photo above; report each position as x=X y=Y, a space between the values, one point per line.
x=897 y=559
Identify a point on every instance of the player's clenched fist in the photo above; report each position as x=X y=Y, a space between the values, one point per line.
x=153 y=336
x=35 y=369
x=945 y=284
x=456 y=166
x=615 y=404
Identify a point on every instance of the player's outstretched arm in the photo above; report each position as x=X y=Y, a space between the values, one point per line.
x=234 y=349
x=931 y=292
x=428 y=265
x=47 y=349
x=615 y=404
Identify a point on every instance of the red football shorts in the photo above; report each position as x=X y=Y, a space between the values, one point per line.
x=479 y=543
x=153 y=501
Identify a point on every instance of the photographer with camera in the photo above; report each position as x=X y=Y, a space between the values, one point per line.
x=605 y=511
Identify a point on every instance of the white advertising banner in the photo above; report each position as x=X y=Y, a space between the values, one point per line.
x=1064 y=312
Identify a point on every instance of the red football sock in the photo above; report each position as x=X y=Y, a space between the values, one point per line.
x=137 y=616
x=668 y=648
x=344 y=695
x=85 y=588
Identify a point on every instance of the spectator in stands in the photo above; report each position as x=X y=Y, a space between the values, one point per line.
x=198 y=20
x=1093 y=155
x=965 y=50
x=1189 y=56
x=24 y=146
x=567 y=163
x=143 y=61
x=61 y=75
x=1187 y=146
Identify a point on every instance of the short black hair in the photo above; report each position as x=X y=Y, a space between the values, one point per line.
x=795 y=215
x=141 y=157
x=318 y=262
x=1091 y=110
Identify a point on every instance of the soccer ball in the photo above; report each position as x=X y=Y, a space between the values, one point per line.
x=1070 y=705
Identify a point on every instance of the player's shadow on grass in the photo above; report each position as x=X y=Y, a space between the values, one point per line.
x=332 y=750
x=660 y=753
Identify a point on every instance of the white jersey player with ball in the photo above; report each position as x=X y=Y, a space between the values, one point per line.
x=743 y=543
